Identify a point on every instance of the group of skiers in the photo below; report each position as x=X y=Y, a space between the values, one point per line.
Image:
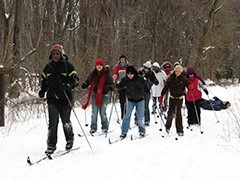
x=167 y=85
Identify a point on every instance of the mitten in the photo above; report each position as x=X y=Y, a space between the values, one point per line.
x=160 y=99
x=114 y=76
x=84 y=85
x=41 y=93
x=206 y=91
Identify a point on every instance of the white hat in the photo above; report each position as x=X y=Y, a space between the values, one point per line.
x=147 y=65
x=155 y=64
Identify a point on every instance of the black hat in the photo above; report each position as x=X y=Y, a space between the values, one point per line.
x=131 y=70
x=122 y=56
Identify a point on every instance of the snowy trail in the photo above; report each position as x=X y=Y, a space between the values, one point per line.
x=194 y=156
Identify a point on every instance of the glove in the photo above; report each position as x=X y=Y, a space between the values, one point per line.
x=160 y=100
x=190 y=87
x=84 y=85
x=64 y=86
x=206 y=91
x=41 y=93
x=113 y=88
x=114 y=76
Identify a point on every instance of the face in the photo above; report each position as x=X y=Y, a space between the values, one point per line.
x=122 y=60
x=99 y=67
x=130 y=76
x=56 y=56
x=178 y=73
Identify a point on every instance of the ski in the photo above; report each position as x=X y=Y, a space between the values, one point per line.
x=115 y=141
x=96 y=134
x=51 y=156
x=137 y=137
x=61 y=153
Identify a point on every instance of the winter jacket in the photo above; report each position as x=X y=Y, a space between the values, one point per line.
x=57 y=78
x=108 y=83
x=134 y=87
x=176 y=85
x=195 y=93
x=150 y=79
x=156 y=89
x=118 y=69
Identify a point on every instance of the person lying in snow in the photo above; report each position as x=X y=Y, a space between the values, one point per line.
x=214 y=104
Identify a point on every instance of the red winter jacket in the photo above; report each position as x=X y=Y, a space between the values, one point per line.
x=195 y=93
x=118 y=68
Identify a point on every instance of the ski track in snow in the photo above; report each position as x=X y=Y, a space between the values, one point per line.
x=194 y=156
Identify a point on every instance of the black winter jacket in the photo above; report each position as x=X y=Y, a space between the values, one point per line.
x=58 y=77
x=134 y=87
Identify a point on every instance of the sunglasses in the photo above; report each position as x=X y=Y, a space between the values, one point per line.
x=99 y=65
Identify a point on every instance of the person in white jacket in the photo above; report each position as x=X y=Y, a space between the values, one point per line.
x=157 y=89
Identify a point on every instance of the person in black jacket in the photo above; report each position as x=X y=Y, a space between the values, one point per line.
x=134 y=85
x=150 y=79
x=59 y=78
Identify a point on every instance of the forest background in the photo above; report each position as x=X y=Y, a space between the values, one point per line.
x=202 y=33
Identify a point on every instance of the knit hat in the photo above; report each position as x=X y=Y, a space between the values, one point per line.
x=131 y=70
x=147 y=65
x=155 y=64
x=178 y=68
x=190 y=70
x=176 y=63
x=122 y=56
x=58 y=47
x=99 y=61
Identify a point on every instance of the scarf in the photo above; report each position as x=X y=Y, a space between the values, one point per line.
x=98 y=101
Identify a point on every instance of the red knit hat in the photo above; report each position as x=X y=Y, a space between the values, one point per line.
x=99 y=61
x=58 y=47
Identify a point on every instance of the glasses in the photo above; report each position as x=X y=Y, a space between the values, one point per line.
x=99 y=65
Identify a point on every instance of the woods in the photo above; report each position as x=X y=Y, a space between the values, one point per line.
x=203 y=33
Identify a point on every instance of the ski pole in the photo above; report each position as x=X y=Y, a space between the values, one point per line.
x=213 y=108
x=44 y=109
x=160 y=114
x=195 y=109
x=86 y=124
x=69 y=102
x=109 y=120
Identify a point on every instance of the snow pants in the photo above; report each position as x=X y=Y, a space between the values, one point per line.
x=54 y=111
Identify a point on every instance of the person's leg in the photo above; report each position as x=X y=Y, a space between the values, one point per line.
x=94 y=115
x=103 y=114
x=171 y=112
x=65 y=114
x=53 y=112
x=127 y=117
x=140 y=114
x=178 y=121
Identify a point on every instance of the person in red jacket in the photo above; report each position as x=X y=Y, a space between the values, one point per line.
x=119 y=71
x=194 y=97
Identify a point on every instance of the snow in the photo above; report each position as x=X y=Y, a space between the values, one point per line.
x=212 y=155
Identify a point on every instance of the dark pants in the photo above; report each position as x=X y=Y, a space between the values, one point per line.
x=175 y=105
x=122 y=100
x=194 y=112
x=64 y=111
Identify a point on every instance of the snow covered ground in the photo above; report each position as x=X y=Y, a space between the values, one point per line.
x=214 y=155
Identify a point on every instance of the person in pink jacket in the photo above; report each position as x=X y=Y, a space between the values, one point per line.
x=194 y=97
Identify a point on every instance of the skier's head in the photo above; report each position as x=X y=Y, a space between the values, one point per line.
x=57 y=53
x=131 y=72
